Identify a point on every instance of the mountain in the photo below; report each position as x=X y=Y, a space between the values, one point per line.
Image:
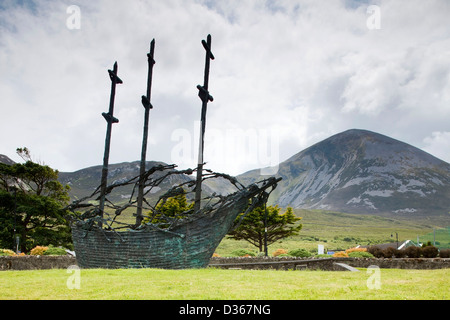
x=6 y=160
x=356 y=171
x=359 y=171
x=85 y=181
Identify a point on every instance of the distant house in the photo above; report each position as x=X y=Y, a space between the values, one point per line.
x=401 y=245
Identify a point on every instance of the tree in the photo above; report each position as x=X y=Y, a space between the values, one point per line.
x=279 y=226
x=172 y=207
x=31 y=206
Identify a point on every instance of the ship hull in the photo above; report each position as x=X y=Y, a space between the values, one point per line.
x=188 y=244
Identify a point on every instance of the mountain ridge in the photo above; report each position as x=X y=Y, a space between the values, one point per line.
x=360 y=171
x=85 y=181
x=6 y=160
x=355 y=171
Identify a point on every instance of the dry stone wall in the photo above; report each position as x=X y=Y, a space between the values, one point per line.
x=36 y=262
x=283 y=263
x=289 y=263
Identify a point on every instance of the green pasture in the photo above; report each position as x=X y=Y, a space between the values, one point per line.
x=339 y=231
x=216 y=284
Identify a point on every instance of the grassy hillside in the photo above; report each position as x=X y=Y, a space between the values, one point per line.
x=339 y=231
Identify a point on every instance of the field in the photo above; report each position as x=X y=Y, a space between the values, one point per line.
x=215 y=284
x=334 y=230
x=340 y=231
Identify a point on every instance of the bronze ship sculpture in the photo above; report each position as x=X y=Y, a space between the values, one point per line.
x=182 y=241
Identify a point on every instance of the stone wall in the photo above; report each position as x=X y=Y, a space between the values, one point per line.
x=283 y=263
x=36 y=262
x=290 y=263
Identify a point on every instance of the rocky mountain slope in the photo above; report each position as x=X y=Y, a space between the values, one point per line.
x=84 y=182
x=6 y=160
x=359 y=171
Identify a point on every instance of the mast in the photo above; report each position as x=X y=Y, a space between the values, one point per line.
x=110 y=119
x=205 y=97
x=147 y=105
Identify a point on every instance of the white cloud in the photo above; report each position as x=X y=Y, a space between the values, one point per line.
x=438 y=145
x=305 y=69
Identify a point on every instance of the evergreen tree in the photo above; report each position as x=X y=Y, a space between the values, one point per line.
x=279 y=226
x=31 y=203
x=173 y=207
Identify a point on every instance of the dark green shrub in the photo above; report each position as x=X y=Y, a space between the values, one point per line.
x=413 y=252
x=430 y=252
x=303 y=253
x=444 y=253
x=315 y=239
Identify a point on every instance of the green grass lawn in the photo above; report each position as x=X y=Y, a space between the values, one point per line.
x=216 y=284
x=334 y=230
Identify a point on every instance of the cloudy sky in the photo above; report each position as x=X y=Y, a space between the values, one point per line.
x=287 y=74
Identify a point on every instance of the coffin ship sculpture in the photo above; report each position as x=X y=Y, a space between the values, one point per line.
x=186 y=240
